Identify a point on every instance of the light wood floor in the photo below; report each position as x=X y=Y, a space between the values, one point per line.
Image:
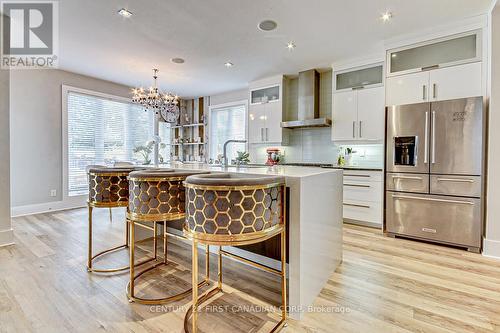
x=383 y=285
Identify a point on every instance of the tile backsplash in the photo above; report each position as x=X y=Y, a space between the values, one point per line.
x=314 y=145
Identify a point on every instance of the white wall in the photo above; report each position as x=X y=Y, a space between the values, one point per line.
x=6 y=235
x=228 y=97
x=36 y=132
x=492 y=237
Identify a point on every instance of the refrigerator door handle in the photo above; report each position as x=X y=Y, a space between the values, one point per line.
x=407 y=177
x=433 y=137
x=433 y=199
x=457 y=180
x=426 y=139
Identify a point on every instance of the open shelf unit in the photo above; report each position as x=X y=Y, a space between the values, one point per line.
x=189 y=136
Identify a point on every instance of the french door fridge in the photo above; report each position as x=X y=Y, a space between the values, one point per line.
x=434 y=171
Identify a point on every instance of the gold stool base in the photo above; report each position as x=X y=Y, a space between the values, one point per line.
x=164 y=300
x=130 y=289
x=211 y=293
x=113 y=270
x=91 y=257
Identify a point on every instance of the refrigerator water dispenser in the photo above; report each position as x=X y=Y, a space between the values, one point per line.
x=405 y=149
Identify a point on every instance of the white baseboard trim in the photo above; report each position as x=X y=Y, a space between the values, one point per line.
x=491 y=248
x=6 y=237
x=73 y=202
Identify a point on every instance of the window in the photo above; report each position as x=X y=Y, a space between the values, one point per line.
x=165 y=132
x=226 y=123
x=102 y=131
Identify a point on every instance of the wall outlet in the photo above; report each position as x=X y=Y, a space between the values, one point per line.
x=53 y=193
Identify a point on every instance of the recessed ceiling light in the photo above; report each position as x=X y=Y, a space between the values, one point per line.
x=386 y=16
x=125 y=13
x=177 y=60
x=290 y=46
x=228 y=64
x=268 y=25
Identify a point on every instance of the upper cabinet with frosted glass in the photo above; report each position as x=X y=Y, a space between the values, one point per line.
x=437 y=70
x=266 y=111
x=358 y=104
x=265 y=95
x=444 y=52
x=365 y=77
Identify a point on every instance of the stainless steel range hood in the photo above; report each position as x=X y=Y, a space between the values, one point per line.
x=308 y=107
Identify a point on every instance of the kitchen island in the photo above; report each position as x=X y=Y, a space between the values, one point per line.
x=315 y=227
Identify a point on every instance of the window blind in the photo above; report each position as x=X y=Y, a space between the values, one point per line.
x=227 y=123
x=102 y=131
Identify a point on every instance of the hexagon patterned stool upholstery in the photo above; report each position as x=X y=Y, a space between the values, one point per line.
x=232 y=210
x=156 y=196
x=108 y=188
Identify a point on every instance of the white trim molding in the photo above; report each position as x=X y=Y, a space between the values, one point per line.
x=6 y=237
x=491 y=248
x=68 y=203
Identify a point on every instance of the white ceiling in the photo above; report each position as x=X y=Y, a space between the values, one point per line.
x=96 y=41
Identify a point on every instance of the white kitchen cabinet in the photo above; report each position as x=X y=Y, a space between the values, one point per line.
x=359 y=115
x=407 y=89
x=265 y=112
x=435 y=85
x=363 y=197
x=371 y=116
x=264 y=123
x=345 y=115
x=456 y=82
x=256 y=123
x=274 y=117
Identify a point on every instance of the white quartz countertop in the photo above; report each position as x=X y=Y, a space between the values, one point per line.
x=277 y=170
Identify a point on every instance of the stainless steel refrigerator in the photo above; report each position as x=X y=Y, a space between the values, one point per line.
x=435 y=172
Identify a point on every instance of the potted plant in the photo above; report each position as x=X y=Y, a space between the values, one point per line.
x=242 y=158
x=348 y=155
x=145 y=151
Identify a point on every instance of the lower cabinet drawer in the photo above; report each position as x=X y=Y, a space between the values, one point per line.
x=452 y=220
x=468 y=186
x=407 y=182
x=363 y=191
x=363 y=211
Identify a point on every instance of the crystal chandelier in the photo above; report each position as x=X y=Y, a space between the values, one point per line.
x=167 y=105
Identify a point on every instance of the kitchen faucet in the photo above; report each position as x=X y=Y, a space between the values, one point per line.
x=224 y=156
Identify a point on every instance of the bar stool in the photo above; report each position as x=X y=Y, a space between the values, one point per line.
x=234 y=210
x=156 y=196
x=108 y=188
x=97 y=166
